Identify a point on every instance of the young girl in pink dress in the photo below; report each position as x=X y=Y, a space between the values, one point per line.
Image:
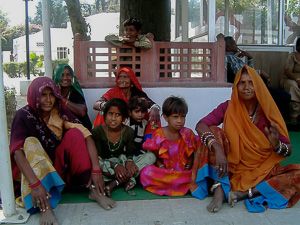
x=174 y=146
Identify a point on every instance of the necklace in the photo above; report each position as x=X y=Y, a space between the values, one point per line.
x=115 y=146
x=253 y=115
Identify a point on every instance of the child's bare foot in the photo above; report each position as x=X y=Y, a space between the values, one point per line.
x=129 y=185
x=235 y=196
x=110 y=186
x=102 y=200
x=216 y=204
x=48 y=218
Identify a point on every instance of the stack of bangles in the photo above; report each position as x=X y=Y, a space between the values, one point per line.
x=282 y=149
x=35 y=185
x=101 y=105
x=208 y=139
x=96 y=172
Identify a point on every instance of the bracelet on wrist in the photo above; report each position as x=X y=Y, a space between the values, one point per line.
x=96 y=171
x=35 y=185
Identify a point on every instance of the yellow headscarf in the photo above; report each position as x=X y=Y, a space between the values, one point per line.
x=251 y=155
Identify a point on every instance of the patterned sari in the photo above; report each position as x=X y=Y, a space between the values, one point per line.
x=252 y=160
x=55 y=150
x=173 y=179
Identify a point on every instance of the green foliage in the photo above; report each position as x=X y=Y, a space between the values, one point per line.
x=59 y=61
x=12 y=69
x=11 y=105
x=293 y=8
x=58 y=14
x=3 y=21
x=36 y=62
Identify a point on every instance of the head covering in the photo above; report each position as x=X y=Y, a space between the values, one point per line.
x=58 y=72
x=36 y=88
x=251 y=156
x=131 y=76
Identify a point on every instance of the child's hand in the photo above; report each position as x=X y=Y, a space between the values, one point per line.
x=121 y=173
x=132 y=168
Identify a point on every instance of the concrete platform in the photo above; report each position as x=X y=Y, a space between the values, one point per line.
x=185 y=211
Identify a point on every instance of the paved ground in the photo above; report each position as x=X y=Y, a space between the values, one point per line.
x=185 y=211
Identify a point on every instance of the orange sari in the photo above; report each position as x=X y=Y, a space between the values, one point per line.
x=251 y=156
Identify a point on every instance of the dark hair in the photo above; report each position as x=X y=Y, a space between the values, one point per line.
x=137 y=102
x=298 y=44
x=70 y=69
x=228 y=40
x=174 y=105
x=119 y=103
x=133 y=22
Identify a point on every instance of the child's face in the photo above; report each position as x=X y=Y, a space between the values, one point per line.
x=137 y=115
x=113 y=118
x=130 y=32
x=175 y=121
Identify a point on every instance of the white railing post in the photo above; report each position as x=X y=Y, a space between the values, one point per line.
x=9 y=214
x=47 y=38
x=6 y=185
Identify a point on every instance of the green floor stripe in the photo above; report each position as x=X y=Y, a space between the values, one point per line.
x=120 y=195
x=295 y=157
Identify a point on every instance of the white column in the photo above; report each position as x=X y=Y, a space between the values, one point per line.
x=281 y=24
x=211 y=20
x=269 y=21
x=185 y=20
x=6 y=184
x=46 y=38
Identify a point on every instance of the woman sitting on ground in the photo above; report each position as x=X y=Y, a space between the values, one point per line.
x=73 y=97
x=127 y=86
x=241 y=161
x=50 y=147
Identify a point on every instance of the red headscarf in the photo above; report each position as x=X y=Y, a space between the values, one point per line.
x=131 y=76
x=116 y=92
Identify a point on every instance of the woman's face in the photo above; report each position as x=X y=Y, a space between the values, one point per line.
x=245 y=87
x=113 y=118
x=66 y=78
x=47 y=100
x=123 y=81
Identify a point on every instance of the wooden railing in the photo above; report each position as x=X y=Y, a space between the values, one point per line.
x=166 y=64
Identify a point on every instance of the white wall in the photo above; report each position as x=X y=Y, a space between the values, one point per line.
x=200 y=100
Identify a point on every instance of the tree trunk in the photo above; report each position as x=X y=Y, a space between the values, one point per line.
x=155 y=16
x=78 y=23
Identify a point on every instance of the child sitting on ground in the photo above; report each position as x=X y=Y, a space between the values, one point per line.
x=132 y=35
x=115 y=146
x=174 y=146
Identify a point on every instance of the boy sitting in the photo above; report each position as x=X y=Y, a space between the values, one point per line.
x=132 y=35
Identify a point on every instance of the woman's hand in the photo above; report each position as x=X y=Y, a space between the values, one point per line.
x=97 y=181
x=154 y=115
x=272 y=134
x=121 y=173
x=131 y=168
x=221 y=161
x=40 y=198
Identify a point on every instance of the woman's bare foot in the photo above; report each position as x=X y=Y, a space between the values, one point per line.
x=216 y=204
x=102 y=200
x=48 y=218
x=235 y=196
